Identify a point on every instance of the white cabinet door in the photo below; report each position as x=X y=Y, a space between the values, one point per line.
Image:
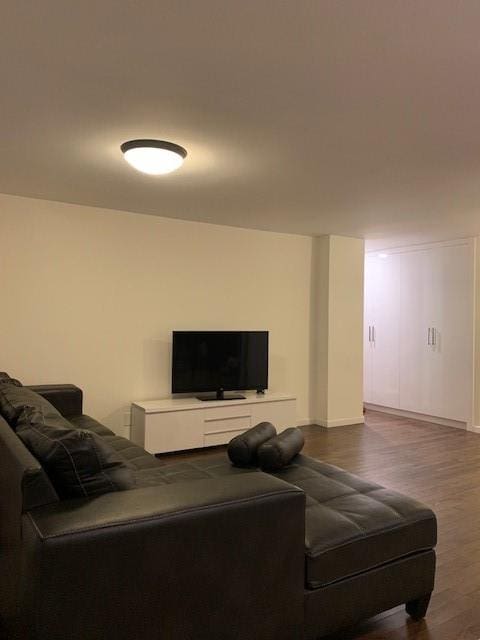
x=386 y=326
x=416 y=296
x=369 y=297
x=451 y=355
x=420 y=303
x=436 y=329
x=435 y=367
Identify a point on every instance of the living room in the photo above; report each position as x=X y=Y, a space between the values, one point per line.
x=311 y=140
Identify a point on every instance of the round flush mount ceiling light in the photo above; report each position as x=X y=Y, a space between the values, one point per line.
x=155 y=157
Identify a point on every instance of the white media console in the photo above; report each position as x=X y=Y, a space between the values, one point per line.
x=188 y=423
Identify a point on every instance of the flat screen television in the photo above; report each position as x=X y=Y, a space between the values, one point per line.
x=219 y=361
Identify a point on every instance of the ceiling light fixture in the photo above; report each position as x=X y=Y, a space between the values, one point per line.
x=155 y=157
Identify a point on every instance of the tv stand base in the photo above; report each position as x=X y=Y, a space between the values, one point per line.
x=175 y=424
x=221 y=396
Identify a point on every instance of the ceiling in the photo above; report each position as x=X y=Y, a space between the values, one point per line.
x=351 y=117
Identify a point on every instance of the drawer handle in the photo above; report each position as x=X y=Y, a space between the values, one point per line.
x=214 y=433
x=226 y=418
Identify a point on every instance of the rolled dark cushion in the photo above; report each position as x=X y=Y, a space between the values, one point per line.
x=14 y=399
x=280 y=450
x=78 y=462
x=242 y=450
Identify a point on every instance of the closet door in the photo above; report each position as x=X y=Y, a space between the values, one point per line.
x=451 y=354
x=436 y=329
x=386 y=325
x=369 y=298
x=414 y=338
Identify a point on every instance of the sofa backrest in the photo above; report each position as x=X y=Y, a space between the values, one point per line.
x=23 y=486
x=23 y=482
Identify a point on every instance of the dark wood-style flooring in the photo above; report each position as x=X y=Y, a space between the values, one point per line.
x=439 y=466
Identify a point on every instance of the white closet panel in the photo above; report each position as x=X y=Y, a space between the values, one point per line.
x=452 y=352
x=369 y=296
x=414 y=313
x=419 y=330
x=386 y=325
x=436 y=367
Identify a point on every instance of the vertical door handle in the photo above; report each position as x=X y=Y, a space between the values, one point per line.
x=428 y=339
x=434 y=336
x=369 y=333
x=373 y=333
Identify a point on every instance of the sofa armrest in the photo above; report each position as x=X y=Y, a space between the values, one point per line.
x=66 y=398
x=212 y=559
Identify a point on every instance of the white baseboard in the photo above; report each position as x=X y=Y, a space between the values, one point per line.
x=473 y=429
x=445 y=422
x=305 y=422
x=341 y=422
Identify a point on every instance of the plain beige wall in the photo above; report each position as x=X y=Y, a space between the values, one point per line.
x=337 y=331
x=91 y=296
x=345 y=331
x=319 y=329
x=476 y=385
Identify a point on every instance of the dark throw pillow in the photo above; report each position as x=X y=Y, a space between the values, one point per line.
x=242 y=450
x=6 y=379
x=15 y=399
x=78 y=462
x=280 y=450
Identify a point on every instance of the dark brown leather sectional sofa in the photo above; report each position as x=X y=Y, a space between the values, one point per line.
x=203 y=550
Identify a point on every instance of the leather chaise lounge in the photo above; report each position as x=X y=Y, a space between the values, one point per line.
x=203 y=550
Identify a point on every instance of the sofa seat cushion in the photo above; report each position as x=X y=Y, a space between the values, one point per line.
x=147 y=470
x=171 y=473
x=353 y=525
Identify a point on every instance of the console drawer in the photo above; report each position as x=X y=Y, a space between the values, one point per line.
x=211 y=414
x=222 y=430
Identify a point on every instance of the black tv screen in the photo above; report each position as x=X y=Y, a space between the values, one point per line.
x=216 y=360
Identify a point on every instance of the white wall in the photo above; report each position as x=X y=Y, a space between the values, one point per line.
x=319 y=329
x=345 y=331
x=476 y=374
x=90 y=296
x=337 y=331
